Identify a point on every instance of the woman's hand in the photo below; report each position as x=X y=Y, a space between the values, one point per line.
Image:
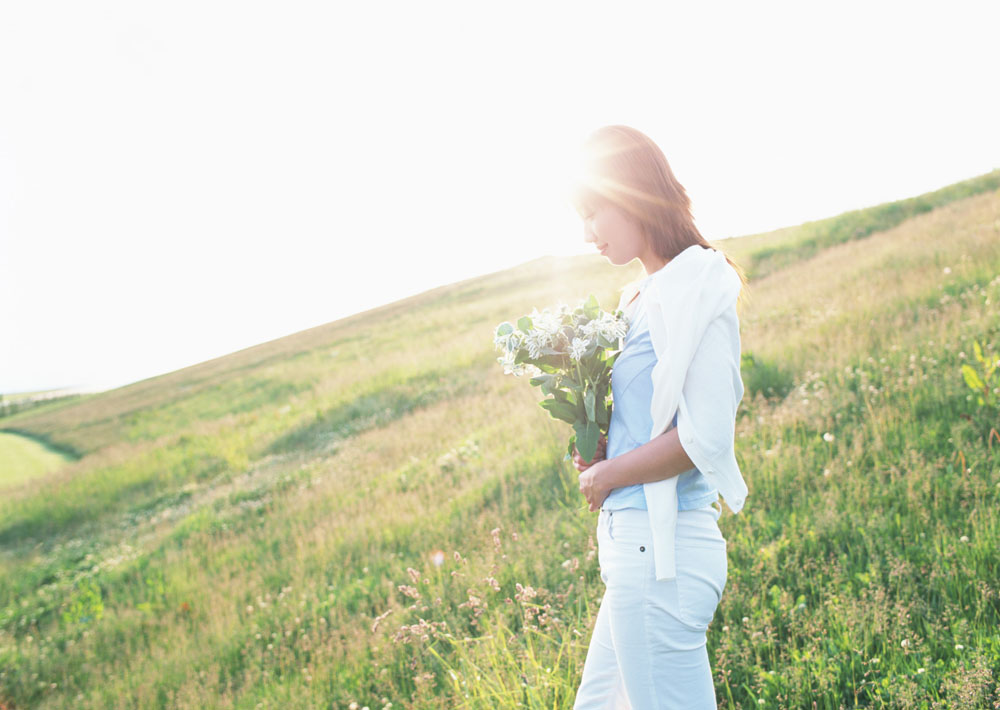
x=592 y=487
x=602 y=447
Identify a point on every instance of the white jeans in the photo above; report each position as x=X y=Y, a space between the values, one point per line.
x=647 y=651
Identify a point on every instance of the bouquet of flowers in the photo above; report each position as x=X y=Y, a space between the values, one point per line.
x=570 y=353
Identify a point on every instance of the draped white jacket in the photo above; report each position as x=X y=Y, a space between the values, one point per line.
x=691 y=308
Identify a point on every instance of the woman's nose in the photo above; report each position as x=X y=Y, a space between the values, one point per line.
x=588 y=233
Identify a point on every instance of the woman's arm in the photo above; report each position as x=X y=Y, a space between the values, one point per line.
x=660 y=458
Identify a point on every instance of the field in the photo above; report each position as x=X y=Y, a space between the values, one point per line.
x=370 y=512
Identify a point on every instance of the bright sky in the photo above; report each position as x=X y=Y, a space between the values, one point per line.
x=181 y=180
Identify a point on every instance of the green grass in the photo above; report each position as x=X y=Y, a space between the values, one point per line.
x=23 y=459
x=371 y=512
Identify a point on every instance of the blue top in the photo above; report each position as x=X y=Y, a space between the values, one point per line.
x=631 y=422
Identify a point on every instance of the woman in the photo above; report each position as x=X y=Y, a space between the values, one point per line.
x=669 y=451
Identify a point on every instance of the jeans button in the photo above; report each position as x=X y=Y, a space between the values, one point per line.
x=642 y=548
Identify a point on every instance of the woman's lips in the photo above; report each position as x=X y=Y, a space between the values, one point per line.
x=602 y=248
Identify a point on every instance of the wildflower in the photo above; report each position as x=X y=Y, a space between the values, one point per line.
x=506 y=338
x=746 y=619
x=946 y=270
x=534 y=342
x=611 y=327
x=510 y=367
x=828 y=437
x=920 y=670
x=904 y=643
x=876 y=659
x=959 y=647
x=437 y=558
x=578 y=348
x=546 y=322
x=964 y=538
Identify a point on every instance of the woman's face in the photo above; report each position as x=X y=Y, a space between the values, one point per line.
x=615 y=234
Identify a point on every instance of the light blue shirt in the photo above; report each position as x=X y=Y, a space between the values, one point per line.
x=631 y=421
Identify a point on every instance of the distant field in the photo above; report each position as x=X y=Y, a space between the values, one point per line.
x=22 y=459
x=370 y=512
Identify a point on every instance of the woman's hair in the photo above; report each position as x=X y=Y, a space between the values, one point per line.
x=625 y=168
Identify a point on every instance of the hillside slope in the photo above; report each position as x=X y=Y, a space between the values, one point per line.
x=370 y=511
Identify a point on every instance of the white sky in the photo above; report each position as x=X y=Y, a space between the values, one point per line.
x=181 y=180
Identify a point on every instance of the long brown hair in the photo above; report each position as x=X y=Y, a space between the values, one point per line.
x=625 y=168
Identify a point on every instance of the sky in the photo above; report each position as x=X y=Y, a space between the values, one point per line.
x=183 y=180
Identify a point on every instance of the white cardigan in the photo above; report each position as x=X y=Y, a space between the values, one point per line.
x=691 y=308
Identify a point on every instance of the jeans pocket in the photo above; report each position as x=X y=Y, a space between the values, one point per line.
x=701 y=579
x=624 y=560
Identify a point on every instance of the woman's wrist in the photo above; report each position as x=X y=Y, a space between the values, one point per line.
x=608 y=475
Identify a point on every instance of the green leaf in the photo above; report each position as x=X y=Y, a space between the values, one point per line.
x=588 y=403
x=591 y=308
x=524 y=324
x=972 y=378
x=505 y=328
x=586 y=439
x=546 y=382
x=539 y=380
x=603 y=416
x=560 y=410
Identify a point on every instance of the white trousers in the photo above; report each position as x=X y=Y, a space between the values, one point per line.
x=647 y=651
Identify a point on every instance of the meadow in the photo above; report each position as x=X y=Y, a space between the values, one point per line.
x=370 y=514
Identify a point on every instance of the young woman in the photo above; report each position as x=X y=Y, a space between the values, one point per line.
x=669 y=451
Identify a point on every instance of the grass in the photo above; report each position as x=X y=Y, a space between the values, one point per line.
x=23 y=459
x=371 y=512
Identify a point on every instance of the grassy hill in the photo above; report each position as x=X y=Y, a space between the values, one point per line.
x=370 y=511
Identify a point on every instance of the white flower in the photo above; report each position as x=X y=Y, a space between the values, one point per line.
x=964 y=538
x=507 y=338
x=613 y=328
x=959 y=647
x=535 y=341
x=904 y=643
x=577 y=348
x=590 y=329
x=547 y=322
x=509 y=366
x=828 y=437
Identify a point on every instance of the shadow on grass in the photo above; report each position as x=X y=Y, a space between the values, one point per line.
x=376 y=408
x=64 y=450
